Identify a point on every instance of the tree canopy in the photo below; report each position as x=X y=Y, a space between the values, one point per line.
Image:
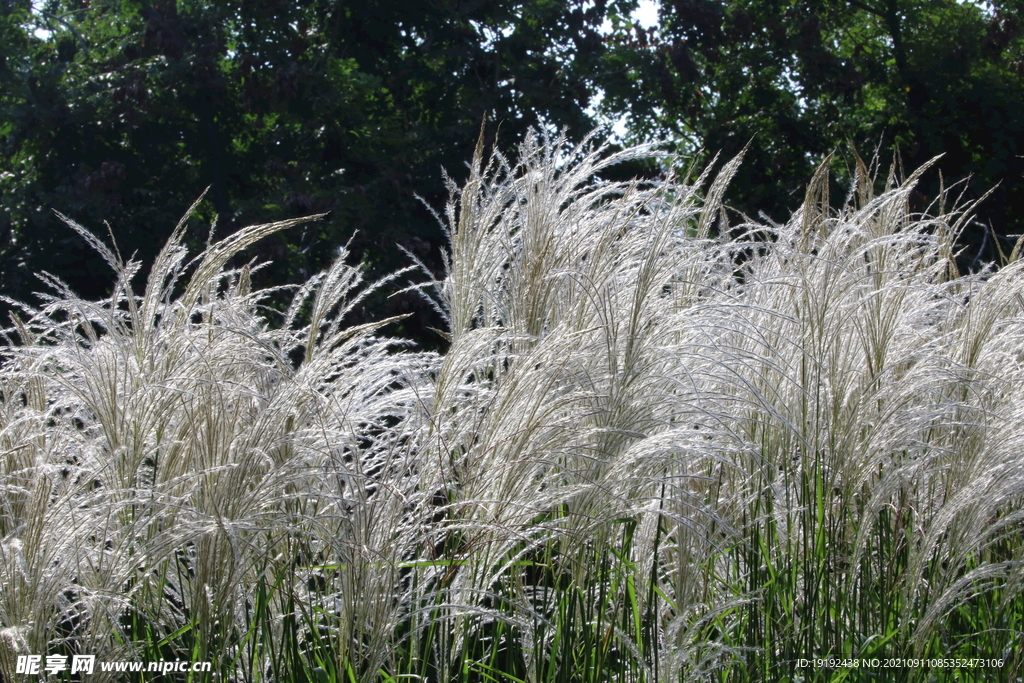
x=125 y=110
x=801 y=79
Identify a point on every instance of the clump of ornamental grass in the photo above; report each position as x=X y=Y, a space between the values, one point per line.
x=669 y=449
x=656 y=448
x=562 y=430
x=177 y=487
x=878 y=392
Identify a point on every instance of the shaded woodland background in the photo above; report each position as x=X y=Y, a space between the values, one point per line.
x=124 y=111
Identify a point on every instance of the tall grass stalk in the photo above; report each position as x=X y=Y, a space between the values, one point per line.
x=657 y=447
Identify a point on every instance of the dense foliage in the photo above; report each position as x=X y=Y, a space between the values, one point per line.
x=801 y=79
x=124 y=110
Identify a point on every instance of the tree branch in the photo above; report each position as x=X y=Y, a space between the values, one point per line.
x=868 y=8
